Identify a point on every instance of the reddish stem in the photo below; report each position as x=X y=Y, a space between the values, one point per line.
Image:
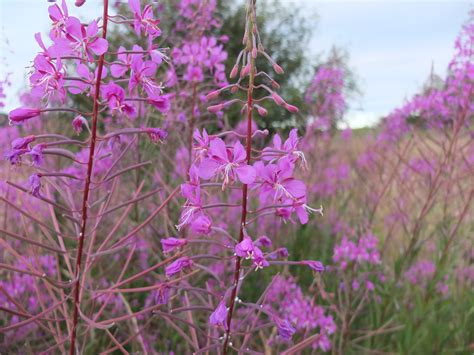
x=85 y=199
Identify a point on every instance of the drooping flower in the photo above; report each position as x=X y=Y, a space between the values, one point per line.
x=162 y=294
x=23 y=142
x=36 y=154
x=35 y=184
x=178 y=265
x=219 y=316
x=77 y=123
x=285 y=329
x=170 y=244
x=202 y=225
x=314 y=265
x=157 y=135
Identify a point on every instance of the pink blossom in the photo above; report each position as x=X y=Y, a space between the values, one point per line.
x=227 y=163
x=178 y=265
x=170 y=244
x=144 y=20
x=219 y=316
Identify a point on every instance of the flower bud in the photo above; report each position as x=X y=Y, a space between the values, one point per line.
x=291 y=108
x=245 y=71
x=261 y=111
x=21 y=114
x=215 y=108
x=79 y=3
x=278 y=100
x=234 y=71
x=254 y=53
x=234 y=89
x=212 y=95
x=278 y=69
x=77 y=123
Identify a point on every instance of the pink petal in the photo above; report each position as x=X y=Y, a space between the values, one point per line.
x=207 y=169
x=240 y=154
x=246 y=174
x=219 y=149
x=99 y=46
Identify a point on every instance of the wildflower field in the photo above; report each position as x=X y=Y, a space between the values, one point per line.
x=179 y=180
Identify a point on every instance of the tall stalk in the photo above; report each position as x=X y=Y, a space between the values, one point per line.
x=90 y=164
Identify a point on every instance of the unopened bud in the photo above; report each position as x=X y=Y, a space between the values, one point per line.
x=278 y=69
x=212 y=95
x=277 y=98
x=215 y=108
x=254 y=52
x=291 y=108
x=234 y=89
x=245 y=71
x=79 y=3
x=261 y=111
x=234 y=71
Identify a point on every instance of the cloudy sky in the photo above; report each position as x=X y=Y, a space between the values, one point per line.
x=392 y=43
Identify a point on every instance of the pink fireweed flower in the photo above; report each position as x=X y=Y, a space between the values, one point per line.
x=87 y=82
x=288 y=150
x=314 y=265
x=170 y=244
x=36 y=154
x=157 y=135
x=278 y=182
x=78 y=122
x=227 y=163
x=285 y=329
x=201 y=225
x=162 y=294
x=115 y=96
x=125 y=60
x=23 y=142
x=144 y=20
x=143 y=73
x=178 y=265
x=202 y=144
x=246 y=249
x=48 y=79
x=160 y=102
x=299 y=207
x=35 y=184
x=21 y=114
x=59 y=16
x=219 y=316
x=85 y=40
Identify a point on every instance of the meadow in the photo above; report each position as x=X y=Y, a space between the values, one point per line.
x=167 y=189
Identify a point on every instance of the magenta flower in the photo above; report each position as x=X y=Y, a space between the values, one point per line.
x=85 y=40
x=162 y=294
x=278 y=182
x=202 y=144
x=115 y=95
x=228 y=163
x=193 y=74
x=87 y=82
x=178 y=265
x=289 y=149
x=21 y=114
x=160 y=102
x=59 y=16
x=122 y=65
x=37 y=155
x=219 y=316
x=285 y=329
x=201 y=225
x=170 y=244
x=48 y=79
x=23 y=142
x=245 y=249
x=144 y=20
x=35 y=184
x=314 y=265
x=143 y=73
x=77 y=124
x=157 y=134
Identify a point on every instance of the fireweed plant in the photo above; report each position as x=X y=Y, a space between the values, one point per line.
x=77 y=201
